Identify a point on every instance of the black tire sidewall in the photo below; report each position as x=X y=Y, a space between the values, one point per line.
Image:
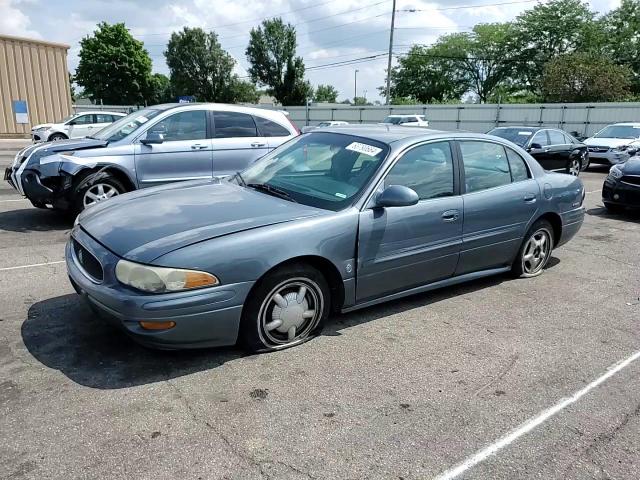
x=77 y=200
x=516 y=268
x=248 y=336
x=59 y=136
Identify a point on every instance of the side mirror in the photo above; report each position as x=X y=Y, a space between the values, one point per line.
x=397 y=196
x=72 y=122
x=152 y=138
x=535 y=146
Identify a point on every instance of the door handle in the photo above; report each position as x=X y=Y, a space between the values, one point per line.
x=258 y=144
x=198 y=146
x=546 y=150
x=529 y=198
x=450 y=215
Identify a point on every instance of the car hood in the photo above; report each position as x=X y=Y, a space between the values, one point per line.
x=143 y=225
x=610 y=142
x=48 y=148
x=631 y=166
x=42 y=125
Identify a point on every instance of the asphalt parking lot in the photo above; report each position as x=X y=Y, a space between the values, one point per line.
x=407 y=390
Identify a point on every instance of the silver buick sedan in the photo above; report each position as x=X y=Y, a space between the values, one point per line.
x=332 y=221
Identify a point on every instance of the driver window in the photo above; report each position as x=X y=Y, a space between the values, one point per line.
x=83 y=120
x=189 y=125
x=427 y=169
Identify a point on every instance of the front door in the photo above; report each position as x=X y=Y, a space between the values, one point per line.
x=404 y=247
x=79 y=126
x=236 y=142
x=500 y=201
x=185 y=153
x=541 y=152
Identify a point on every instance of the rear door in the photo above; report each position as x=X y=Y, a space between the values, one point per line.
x=236 y=142
x=500 y=199
x=102 y=120
x=559 y=151
x=404 y=247
x=185 y=153
x=275 y=133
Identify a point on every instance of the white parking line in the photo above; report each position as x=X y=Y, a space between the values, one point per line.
x=32 y=265
x=594 y=191
x=529 y=425
x=15 y=200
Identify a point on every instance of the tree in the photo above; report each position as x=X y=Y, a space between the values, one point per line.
x=548 y=30
x=325 y=93
x=621 y=27
x=159 y=90
x=272 y=55
x=243 y=91
x=584 y=77
x=360 y=101
x=427 y=74
x=72 y=90
x=199 y=66
x=114 y=67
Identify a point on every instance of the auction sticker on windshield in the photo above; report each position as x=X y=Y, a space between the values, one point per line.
x=363 y=148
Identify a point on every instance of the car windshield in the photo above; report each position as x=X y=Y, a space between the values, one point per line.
x=519 y=136
x=324 y=170
x=67 y=118
x=619 y=131
x=126 y=125
x=393 y=120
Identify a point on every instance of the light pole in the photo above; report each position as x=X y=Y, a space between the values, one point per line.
x=355 y=85
x=364 y=94
x=393 y=21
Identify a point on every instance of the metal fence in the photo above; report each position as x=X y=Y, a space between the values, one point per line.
x=584 y=119
x=580 y=118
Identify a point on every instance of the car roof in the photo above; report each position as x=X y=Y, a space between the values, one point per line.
x=216 y=106
x=108 y=112
x=393 y=133
x=626 y=124
x=523 y=127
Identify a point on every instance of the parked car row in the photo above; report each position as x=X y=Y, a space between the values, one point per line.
x=74 y=126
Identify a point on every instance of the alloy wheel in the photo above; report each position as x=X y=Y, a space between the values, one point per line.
x=97 y=193
x=575 y=167
x=536 y=252
x=290 y=312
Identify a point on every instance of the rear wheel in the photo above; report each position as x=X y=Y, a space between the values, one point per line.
x=286 y=308
x=575 y=166
x=535 y=251
x=56 y=137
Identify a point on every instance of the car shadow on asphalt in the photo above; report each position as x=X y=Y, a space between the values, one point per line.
x=34 y=220
x=626 y=216
x=64 y=334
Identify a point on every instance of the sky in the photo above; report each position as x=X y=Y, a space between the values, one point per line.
x=328 y=31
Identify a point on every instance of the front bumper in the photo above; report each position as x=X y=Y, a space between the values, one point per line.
x=619 y=192
x=204 y=318
x=608 y=158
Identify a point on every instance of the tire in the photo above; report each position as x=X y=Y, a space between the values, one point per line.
x=270 y=324
x=574 y=167
x=107 y=186
x=56 y=137
x=613 y=208
x=538 y=254
x=587 y=163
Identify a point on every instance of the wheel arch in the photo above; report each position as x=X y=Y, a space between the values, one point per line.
x=326 y=267
x=113 y=170
x=556 y=223
x=57 y=132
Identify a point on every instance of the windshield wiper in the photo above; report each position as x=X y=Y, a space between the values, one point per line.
x=241 y=181
x=271 y=190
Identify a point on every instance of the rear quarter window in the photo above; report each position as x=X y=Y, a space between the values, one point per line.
x=268 y=128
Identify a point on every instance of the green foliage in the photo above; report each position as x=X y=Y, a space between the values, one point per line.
x=360 y=101
x=114 y=68
x=72 y=90
x=272 y=55
x=547 y=31
x=404 y=101
x=199 y=66
x=243 y=91
x=622 y=27
x=159 y=90
x=583 y=77
x=325 y=93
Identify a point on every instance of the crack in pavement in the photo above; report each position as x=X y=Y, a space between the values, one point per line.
x=501 y=374
x=602 y=255
x=260 y=465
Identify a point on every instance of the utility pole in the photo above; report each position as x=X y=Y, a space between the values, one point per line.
x=355 y=85
x=393 y=21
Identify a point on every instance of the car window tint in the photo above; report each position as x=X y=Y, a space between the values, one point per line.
x=519 y=170
x=540 y=138
x=103 y=118
x=569 y=139
x=410 y=120
x=270 y=129
x=556 y=137
x=427 y=169
x=189 y=125
x=485 y=165
x=84 y=119
x=233 y=124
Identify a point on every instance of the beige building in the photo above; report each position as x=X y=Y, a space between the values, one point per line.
x=34 y=84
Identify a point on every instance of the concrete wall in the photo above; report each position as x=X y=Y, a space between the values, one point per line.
x=586 y=119
x=34 y=71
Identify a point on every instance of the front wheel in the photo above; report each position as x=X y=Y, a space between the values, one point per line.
x=56 y=137
x=95 y=192
x=535 y=250
x=575 y=166
x=286 y=308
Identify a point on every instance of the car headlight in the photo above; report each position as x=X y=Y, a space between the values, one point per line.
x=615 y=172
x=621 y=148
x=162 y=279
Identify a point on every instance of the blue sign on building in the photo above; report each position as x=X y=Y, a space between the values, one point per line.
x=21 y=111
x=186 y=99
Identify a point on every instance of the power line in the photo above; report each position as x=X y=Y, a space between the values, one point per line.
x=461 y=7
